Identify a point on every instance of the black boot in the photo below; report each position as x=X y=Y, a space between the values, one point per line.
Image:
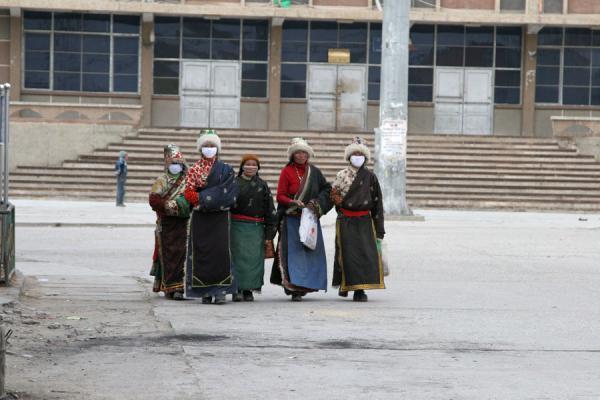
x=296 y=297
x=360 y=295
x=207 y=300
x=248 y=296
x=178 y=296
x=237 y=297
x=342 y=293
x=220 y=299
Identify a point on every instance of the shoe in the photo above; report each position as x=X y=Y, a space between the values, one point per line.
x=177 y=296
x=248 y=296
x=207 y=300
x=342 y=293
x=220 y=299
x=169 y=295
x=296 y=297
x=237 y=297
x=360 y=295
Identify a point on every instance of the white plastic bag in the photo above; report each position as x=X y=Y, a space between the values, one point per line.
x=308 y=229
x=383 y=251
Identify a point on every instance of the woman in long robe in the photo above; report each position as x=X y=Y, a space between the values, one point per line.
x=253 y=226
x=297 y=268
x=172 y=215
x=359 y=226
x=211 y=189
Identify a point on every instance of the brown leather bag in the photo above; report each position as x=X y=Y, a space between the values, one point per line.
x=269 y=249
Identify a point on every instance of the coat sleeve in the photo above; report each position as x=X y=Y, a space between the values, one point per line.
x=270 y=213
x=377 y=209
x=324 y=196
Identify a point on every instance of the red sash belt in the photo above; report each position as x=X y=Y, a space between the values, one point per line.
x=240 y=217
x=349 y=213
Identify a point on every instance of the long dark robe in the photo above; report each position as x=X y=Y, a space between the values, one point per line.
x=209 y=271
x=295 y=267
x=255 y=203
x=357 y=261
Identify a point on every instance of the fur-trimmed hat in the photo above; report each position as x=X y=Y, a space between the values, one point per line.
x=173 y=155
x=299 y=144
x=208 y=136
x=358 y=145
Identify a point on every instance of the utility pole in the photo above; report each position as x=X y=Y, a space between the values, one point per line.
x=390 y=136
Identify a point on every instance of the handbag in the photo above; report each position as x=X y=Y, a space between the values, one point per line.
x=269 y=249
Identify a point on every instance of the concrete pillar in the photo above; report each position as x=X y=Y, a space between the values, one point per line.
x=15 y=58
x=530 y=65
x=275 y=77
x=147 y=58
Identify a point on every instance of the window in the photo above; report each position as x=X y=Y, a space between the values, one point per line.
x=507 y=80
x=294 y=56
x=568 y=66
x=73 y=52
x=512 y=5
x=201 y=39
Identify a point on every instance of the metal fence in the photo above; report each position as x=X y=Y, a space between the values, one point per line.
x=7 y=210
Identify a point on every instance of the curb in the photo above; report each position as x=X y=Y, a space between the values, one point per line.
x=81 y=225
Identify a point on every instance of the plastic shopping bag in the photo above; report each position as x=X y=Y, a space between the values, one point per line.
x=383 y=252
x=308 y=229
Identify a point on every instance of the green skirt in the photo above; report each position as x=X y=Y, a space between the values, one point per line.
x=248 y=254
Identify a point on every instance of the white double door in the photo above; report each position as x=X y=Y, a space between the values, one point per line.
x=210 y=94
x=463 y=101
x=337 y=97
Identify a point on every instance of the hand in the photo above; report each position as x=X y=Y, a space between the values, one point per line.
x=297 y=203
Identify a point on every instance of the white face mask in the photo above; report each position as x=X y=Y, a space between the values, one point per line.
x=175 y=168
x=250 y=170
x=357 y=161
x=209 y=152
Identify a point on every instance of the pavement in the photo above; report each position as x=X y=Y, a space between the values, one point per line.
x=478 y=305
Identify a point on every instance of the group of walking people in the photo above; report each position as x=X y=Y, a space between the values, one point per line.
x=216 y=226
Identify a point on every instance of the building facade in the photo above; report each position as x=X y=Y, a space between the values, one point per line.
x=495 y=67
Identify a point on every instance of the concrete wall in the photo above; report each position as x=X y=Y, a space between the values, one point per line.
x=49 y=144
x=293 y=116
x=507 y=121
x=584 y=6
x=254 y=115
x=165 y=112
x=420 y=119
x=469 y=4
x=543 y=124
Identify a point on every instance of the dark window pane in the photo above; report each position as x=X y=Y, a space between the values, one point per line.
x=294 y=51
x=374 y=74
x=596 y=57
x=37 y=20
x=166 y=86
x=419 y=93
x=578 y=57
x=323 y=31
x=167 y=26
x=420 y=76
x=293 y=90
x=126 y=24
x=67 y=22
x=254 y=89
x=125 y=83
x=257 y=30
x=295 y=31
x=508 y=36
x=358 y=52
x=293 y=72
x=508 y=57
x=576 y=95
x=550 y=37
x=67 y=42
x=254 y=71
x=547 y=75
x=421 y=35
x=67 y=62
x=576 y=76
x=374 y=91
x=508 y=78
x=196 y=48
x=480 y=36
x=166 y=69
x=37 y=41
x=96 y=63
x=355 y=33
x=595 y=38
x=96 y=23
x=226 y=29
x=596 y=96
x=546 y=94
x=125 y=64
x=375 y=44
x=451 y=35
x=67 y=81
x=450 y=56
x=548 y=57
x=479 y=57
x=37 y=60
x=255 y=50
x=504 y=95
x=196 y=28
x=319 y=51
x=421 y=55
x=126 y=45
x=37 y=80
x=595 y=76
x=95 y=83
x=96 y=44
x=578 y=37
x=225 y=49
x=166 y=48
